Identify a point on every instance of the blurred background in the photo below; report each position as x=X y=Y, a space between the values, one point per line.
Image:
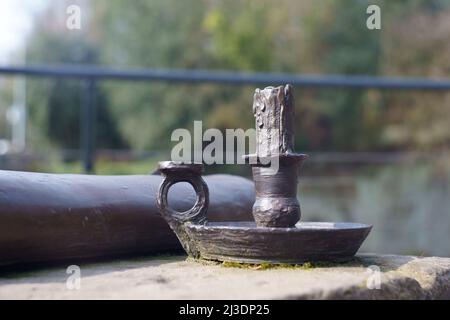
x=378 y=156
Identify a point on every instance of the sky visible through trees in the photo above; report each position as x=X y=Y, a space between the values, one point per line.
x=291 y=36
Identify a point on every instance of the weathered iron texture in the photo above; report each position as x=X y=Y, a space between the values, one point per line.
x=276 y=202
x=52 y=217
x=175 y=172
x=306 y=242
x=275 y=236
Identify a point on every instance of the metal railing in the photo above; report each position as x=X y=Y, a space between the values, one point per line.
x=92 y=74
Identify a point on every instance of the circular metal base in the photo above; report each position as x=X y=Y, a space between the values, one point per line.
x=306 y=242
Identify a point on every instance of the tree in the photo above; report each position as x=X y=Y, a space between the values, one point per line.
x=55 y=105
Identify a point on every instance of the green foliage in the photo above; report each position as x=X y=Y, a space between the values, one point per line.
x=240 y=35
x=55 y=106
x=240 y=38
x=251 y=35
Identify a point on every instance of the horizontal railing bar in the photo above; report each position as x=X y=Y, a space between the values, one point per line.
x=227 y=77
x=316 y=157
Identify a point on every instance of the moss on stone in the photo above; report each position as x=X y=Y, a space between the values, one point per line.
x=268 y=266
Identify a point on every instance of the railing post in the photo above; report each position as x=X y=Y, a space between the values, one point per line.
x=88 y=121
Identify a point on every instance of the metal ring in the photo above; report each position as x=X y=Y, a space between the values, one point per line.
x=197 y=214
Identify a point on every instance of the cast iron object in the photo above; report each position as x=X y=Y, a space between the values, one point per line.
x=275 y=164
x=175 y=172
x=276 y=236
x=306 y=242
x=244 y=241
x=55 y=218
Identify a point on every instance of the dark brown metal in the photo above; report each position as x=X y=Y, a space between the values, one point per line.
x=175 y=172
x=275 y=236
x=309 y=241
x=54 y=217
x=276 y=202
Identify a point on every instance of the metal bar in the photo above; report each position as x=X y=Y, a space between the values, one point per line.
x=233 y=78
x=78 y=216
x=88 y=120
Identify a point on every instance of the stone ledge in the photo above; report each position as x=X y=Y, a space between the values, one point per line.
x=402 y=277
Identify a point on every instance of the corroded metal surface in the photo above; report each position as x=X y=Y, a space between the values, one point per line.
x=307 y=241
x=275 y=236
x=274 y=113
x=248 y=243
x=175 y=172
x=276 y=202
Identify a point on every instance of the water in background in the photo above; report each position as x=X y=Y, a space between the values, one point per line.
x=407 y=203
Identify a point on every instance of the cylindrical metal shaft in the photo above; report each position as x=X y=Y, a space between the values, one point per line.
x=49 y=217
x=276 y=202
